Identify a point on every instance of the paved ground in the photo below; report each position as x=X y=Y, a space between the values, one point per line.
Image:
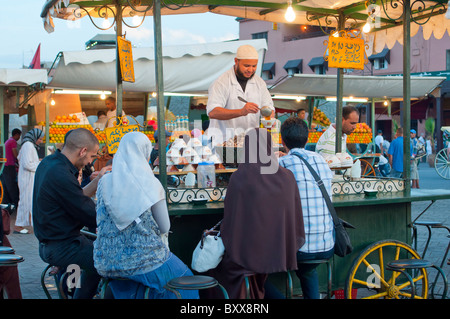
x=30 y=270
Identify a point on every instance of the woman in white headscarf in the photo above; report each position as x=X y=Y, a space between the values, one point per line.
x=28 y=162
x=132 y=221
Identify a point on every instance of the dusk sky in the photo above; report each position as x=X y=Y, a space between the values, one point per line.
x=22 y=29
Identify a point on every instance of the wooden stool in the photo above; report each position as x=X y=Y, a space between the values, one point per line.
x=6 y=250
x=402 y=264
x=193 y=283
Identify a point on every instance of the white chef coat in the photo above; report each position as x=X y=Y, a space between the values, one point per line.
x=110 y=115
x=224 y=92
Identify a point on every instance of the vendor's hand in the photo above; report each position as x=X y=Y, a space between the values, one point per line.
x=104 y=170
x=250 y=108
x=280 y=154
x=94 y=175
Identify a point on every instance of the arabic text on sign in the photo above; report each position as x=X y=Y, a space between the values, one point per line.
x=346 y=53
x=115 y=134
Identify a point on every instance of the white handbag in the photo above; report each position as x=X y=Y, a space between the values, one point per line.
x=209 y=251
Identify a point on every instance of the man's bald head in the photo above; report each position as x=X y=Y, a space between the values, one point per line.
x=79 y=138
x=80 y=147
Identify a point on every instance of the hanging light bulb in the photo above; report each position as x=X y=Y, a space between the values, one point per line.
x=368 y=26
x=103 y=96
x=52 y=102
x=290 y=13
x=105 y=23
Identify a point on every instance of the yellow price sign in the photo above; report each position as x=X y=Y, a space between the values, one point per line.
x=126 y=59
x=346 y=53
x=115 y=134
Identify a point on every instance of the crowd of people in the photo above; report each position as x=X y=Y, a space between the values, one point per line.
x=286 y=222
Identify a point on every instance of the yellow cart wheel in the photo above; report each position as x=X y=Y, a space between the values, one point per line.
x=372 y=280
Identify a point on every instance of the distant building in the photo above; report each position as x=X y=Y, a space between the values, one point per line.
x=300 y=49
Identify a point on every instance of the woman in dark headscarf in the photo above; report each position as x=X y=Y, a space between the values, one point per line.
x=262 y=228
x=28 y=162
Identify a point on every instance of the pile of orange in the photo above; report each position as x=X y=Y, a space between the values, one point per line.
x=314 y=136
x=362 y=134
x=362 y=128
x=67 y=119
x=319 y=117
x=57 y=132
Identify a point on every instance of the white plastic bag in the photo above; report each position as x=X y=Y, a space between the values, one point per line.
x=209 y=251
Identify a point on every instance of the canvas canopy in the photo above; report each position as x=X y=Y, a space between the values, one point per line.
x=22 y=77
x=356 y=86
x=386 y=16
x=186 y=68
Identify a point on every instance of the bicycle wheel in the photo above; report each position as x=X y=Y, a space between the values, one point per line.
x=442 y=164
x=373 y=281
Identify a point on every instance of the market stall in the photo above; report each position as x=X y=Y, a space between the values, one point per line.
x=16 y=86
x=385 y=216
x=92 y=72
x=356 y=90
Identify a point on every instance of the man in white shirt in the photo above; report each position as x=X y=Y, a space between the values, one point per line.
x=379 y=140
x=110 y=104
x=229 y=116
x=326 y=145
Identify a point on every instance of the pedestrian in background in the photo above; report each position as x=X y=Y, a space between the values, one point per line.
x=9 y=174
x=414 y=162
x=28 y=162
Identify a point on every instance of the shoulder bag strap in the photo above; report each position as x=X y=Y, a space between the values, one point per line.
x=325 y=194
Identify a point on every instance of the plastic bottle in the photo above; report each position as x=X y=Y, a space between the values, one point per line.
x=206 y=175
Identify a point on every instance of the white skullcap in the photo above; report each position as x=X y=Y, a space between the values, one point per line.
x=247 y=52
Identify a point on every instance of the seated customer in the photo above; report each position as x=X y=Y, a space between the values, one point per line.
x=61 y=208
x=133 y=223
x=262 y=227
x=317 y=218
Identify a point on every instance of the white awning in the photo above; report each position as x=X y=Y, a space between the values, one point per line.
x=356 y=86
x=22 y=77
x=186 y=68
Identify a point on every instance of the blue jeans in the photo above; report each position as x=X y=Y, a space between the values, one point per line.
x=155 y=280
x=78 y=251
x=385 y=169
x=307 y=273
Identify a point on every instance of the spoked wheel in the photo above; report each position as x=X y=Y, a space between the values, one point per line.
x=442 y=164
x=1 y=192
x=367 y=168
x=373 y=281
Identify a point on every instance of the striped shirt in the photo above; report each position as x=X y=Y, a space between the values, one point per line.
x=316 y=216
x=326 y=145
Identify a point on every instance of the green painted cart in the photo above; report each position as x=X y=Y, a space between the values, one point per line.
x=382 y=234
